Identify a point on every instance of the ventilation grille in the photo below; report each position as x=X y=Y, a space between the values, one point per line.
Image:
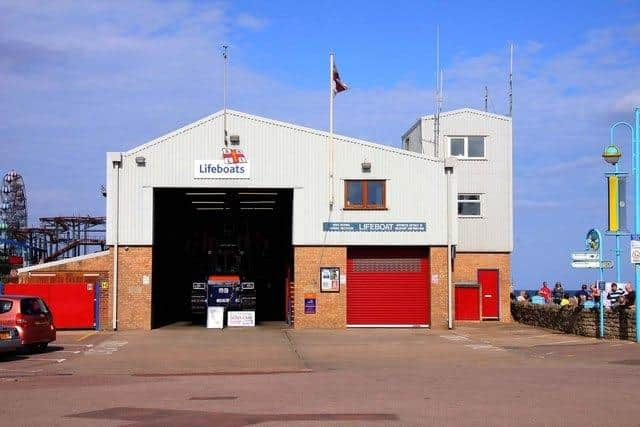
x=405 y=265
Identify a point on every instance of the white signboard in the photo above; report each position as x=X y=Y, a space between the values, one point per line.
x=221 y=169
x=241 y=318
x=585 y=256
x=215 y=317
x=592 y=264
x=585 y=264
x=635 y=251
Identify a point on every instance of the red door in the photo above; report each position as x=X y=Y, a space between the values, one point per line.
x=488 y=280
x=467 y=303
x=387 y=286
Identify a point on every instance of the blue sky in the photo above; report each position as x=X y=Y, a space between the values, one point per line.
x=78 y=79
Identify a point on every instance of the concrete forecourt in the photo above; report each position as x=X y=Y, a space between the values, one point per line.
x=475 y=375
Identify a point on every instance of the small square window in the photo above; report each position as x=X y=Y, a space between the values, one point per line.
x=457 y=146
x=365 y=194
x=469 y=205
x=476 y=146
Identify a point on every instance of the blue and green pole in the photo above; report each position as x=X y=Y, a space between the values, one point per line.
x=600 y=280
x=636 y=176
x=635 y=169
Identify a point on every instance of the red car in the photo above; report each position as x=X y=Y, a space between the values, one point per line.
x=31 y=317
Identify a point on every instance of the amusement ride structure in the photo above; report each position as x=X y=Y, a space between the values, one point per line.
x=55 y=238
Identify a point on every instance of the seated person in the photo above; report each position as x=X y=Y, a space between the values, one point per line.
x=582 y=292
x=564 y=300
x=522 y=297
x=629 y=298
x=614 y=295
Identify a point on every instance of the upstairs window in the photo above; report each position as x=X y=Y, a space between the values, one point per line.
x=467 y=147
x=469 y=205
x=365 y=194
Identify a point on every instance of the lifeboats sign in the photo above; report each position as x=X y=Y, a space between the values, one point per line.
x=375 y=226
x=233 y=165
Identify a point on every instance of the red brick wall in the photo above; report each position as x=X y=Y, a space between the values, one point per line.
x=134 y=297
x=466 y=266
x=331 y=308
x=439 y=289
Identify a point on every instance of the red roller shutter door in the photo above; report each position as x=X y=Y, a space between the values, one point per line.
x=387 y=286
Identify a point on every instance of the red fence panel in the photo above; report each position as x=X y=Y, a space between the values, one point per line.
x=72 y=304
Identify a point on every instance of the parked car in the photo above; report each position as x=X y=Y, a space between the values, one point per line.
x=9 y=339
x=31 y=317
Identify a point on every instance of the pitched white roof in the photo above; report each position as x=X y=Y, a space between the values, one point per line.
x=336 y=137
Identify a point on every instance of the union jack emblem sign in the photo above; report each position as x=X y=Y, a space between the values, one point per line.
x=233 y=155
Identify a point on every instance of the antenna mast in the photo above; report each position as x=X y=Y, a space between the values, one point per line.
x=510 y=79
x=438 y=95
x=225 y=56
x=486 y=98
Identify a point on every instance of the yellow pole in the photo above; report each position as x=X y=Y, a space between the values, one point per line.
x=613 y=203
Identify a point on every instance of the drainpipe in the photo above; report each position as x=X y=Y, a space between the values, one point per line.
x=117 y=164
x=449 y=164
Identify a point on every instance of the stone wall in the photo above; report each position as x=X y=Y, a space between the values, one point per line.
x=619 y=324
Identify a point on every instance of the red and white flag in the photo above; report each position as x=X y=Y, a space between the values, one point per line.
x=233 y=155
x=338 y=86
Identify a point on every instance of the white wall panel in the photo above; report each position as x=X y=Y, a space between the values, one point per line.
x=288 y=156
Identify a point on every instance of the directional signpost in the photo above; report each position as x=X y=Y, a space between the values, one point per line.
x=592 y=258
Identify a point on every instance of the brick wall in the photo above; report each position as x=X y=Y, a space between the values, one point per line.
x=465 y=269
x=134 y=296
x=439 y=291
x=94 y=269
x=619 y=324
x=331 y=308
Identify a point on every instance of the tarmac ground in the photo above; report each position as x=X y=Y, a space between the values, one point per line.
x=487 y=374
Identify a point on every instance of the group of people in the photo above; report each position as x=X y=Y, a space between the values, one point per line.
x=617 y=297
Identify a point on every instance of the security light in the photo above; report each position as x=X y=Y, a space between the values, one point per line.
x=141 y=161
x=234 y=139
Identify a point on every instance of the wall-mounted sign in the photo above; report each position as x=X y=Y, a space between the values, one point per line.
x=634 y=250
x=375 y=226
x=309 y=303
x=233 y=165
x=329 y=279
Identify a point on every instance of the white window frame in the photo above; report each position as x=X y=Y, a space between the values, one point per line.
x=465 y=156
x=480 y=202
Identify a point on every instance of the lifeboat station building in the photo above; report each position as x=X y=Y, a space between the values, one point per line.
x=335 y=232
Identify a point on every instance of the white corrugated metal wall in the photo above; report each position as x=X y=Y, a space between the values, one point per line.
x=288 y=156
x=492 y=177
x=284 y=156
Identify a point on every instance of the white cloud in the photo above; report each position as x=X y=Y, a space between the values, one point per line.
x=537 y=204
x=250 y=22
x=628 y=102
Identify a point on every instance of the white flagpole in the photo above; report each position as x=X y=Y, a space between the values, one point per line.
x=225 y=55
x=331 y=97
